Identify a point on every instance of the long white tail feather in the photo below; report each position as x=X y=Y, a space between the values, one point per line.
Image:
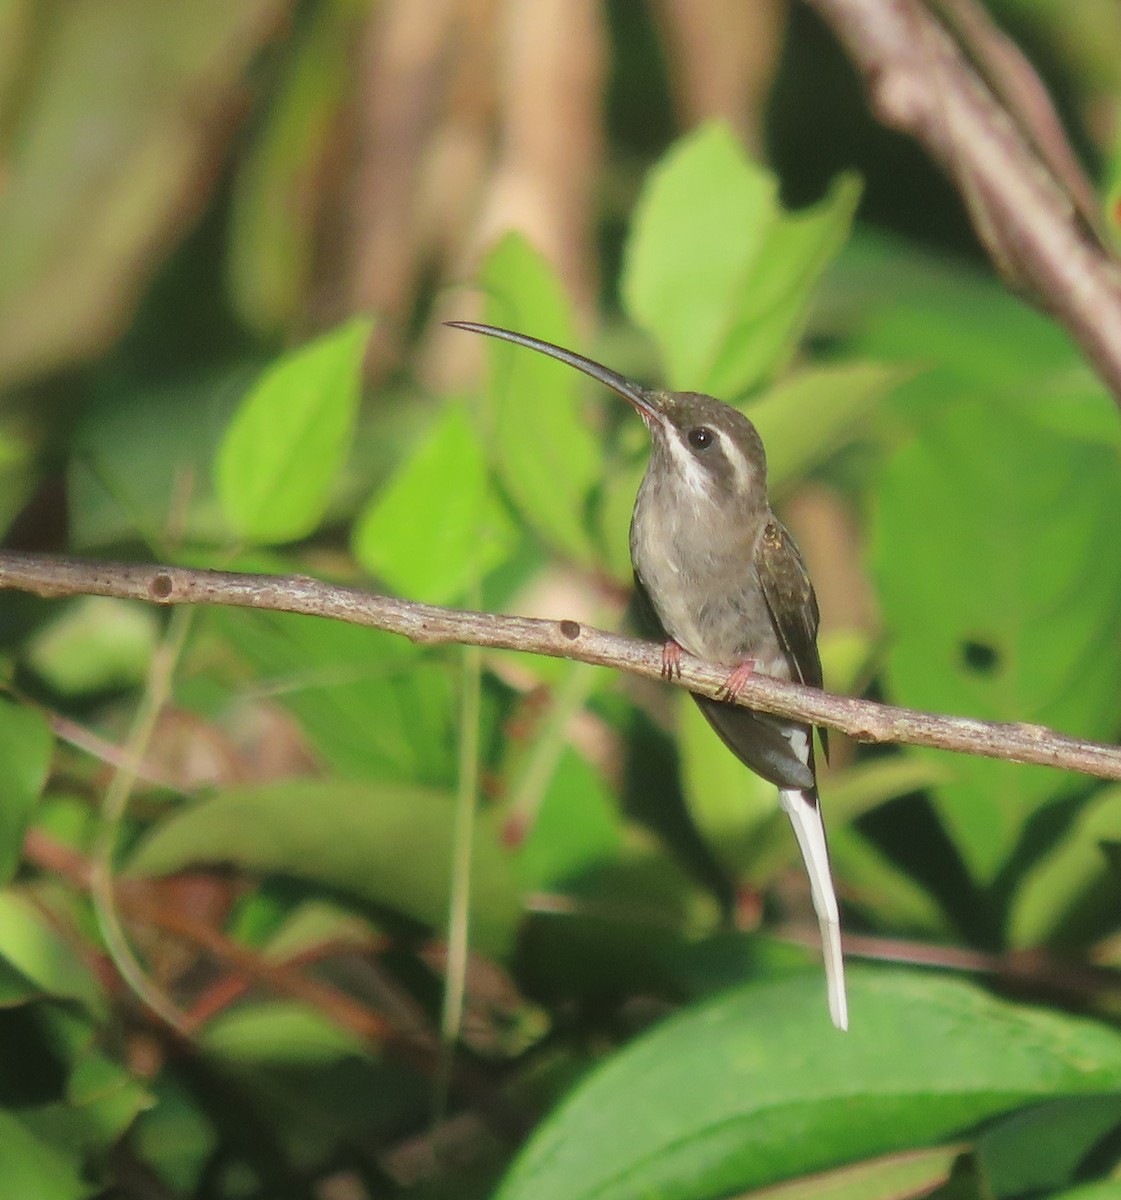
x=804 y=811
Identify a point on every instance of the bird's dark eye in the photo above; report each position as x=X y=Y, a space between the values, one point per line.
x=701 y=437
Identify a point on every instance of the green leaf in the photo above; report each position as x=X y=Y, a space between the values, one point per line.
x=907 y=307
x=1015 y=519
x=25 y=757
x=372 y=703
x=576 y=830
x=290 y=437
x=95 y=643
x=389 y=845
x=880 y=889
x=809 y=415
x=1071 y=872
x=545 y=452
x=730 y=805
x=436 y=527
x=34 y=1167
x=1105 y=1189
x=143 y=458
x=715 y=269
x=1044 y=1146
x=757 y=1087
x=18 y=465
x=47 y=964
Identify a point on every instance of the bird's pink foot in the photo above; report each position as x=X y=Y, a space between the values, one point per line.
x=671 y=660
x=739 y=675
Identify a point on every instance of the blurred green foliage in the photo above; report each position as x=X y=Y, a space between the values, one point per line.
x=286 y=863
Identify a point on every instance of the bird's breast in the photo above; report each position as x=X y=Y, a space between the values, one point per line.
x=700 y=578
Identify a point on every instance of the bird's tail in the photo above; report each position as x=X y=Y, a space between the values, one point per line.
x=804 y=810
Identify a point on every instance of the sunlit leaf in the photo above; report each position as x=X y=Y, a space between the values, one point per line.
x=576 y=829
x=35 y=1167
x=25 y=757
x=1072 y=871
x=290 y=436
x=812 y=413
x=95 y=642
x=436 y=527
x=48 y=965
x=756 y=1087
x=539 y=434
x=717 y=271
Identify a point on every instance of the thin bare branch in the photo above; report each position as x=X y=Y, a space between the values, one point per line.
x=920 y=82
x=862 y=720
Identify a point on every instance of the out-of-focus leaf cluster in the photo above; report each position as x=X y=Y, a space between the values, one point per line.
x=284 y=869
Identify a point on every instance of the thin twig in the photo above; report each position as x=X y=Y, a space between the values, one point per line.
x=920 y=82
x=863 y=720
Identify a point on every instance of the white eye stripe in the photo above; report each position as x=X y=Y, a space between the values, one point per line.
x=694 y=475
x=735 y=456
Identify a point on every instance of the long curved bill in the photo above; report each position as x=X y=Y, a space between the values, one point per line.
x=639 y=397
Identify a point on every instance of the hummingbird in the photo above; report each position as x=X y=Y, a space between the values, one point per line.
x=718 y=575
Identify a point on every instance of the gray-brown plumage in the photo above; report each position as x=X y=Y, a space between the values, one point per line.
x=724 y=580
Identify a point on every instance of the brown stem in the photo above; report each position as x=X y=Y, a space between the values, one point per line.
x=920 y=82
x=863 y=720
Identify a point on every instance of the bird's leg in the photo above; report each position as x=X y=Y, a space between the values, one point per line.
x=671 y=660
x=739 y=675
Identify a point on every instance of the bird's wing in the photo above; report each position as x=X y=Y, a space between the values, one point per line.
x=792 y=604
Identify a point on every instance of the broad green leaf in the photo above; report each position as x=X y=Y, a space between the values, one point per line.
x=25 y=758
x=372 y=703
x=31 y=945
x=733 y=808
x=545 y=450
x=1044 y=1146
x=35 y=1167
x=102 y=1101
x=809 y=415
x=715 y=269
x=290 y=437
x=756 y=1087
x=577 y=828
x=95 y=643
x=1069 y=875
x=436 y=527
x=897 y=304
x=1106 y=1189
x=174 y=1137
x=893 y=1177
x=999 y=601
x=389 y=845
